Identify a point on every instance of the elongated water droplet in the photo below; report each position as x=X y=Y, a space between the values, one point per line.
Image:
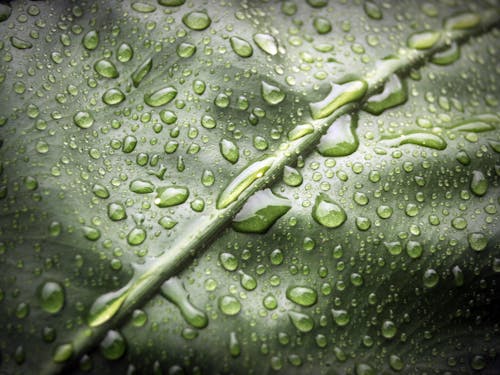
x=340 y=139
x=421 y=139
x=462 y=21
x=171 y=3
x=160 y=97
x=339 y=95
x=106 y=68
x=124 y=53
x=458 y=276
x=478 y=183
x=241 y=47
x=260 y=212
x=266 y=43
x=229 y=150
x=372 y=10
x=173 y=289
x=229 y=305
x=91 y=40
x=113 y=96
x=394 y=247
x=100 y=191
x=196 y=20
x=234 y=345
x=167 y=222
x=423 y=40
x=20 y=43
x=143 y=7
x=393 y=94
x=476 y=124
x=448 y=56
x=107 y=305
x=272 y=94
x=51 y=295
x=63 y=353
x=83 y=119
x=302 y=295
x=328 y=213
x=291 y=176
x=300 y=131
x=303 y=322
x=141 y=186
x=141 y=72
x=168 y=196
x=113 y=346
x=248 y=282
x=243 y=181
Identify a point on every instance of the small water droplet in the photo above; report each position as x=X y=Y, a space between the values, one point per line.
x=51 y=295
x=248 y=282
x=167 y=222
x=388 y=329
x=143 y=7
x=394 y=248
x=136 y=236
x=266 y=43
x=83 y=119
x=372 y=10
x=234 y=345
x=341 y=317
x=228 y=261
x=478 y=183
x=116 y=211
x=113 y=96
x=124 y=53
x=171 y=3
x=292 y=176
x=91 y=233
x=229 y=305
x=113 y=346
x=322 y=25
x=393 y=94
x=186 y=50
x=91 y=40
x=100 y=191
x=477 y=241
x=430 y=278
x=300 y=131
x=141 y=186
x=20 y=43
x=414 y=249
x=270 y=302
x=302 y=322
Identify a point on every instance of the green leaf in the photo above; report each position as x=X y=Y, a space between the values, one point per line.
x=216 y=187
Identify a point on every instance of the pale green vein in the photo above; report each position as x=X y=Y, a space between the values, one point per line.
x=113 y=308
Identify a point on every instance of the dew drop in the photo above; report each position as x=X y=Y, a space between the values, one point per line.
x=141 y=72
x=186 y=50
x=63 y=353
x=414 y=249
x=229 y=150
x=272 y=94
x=20 y=43
x=477 y=241
x=372 y=10
x=234 y=345
x=328 y=213
x=100 y=191
x=160 y=97
x=341 y=317
x=302 y=295
x=143 y=7
x=339 y=95
x=197 y=20
x=91 y=233
x=51 y=296
x=322 y=25
x=91 y=40
x=136 y=236
x=228 y=261
x=167 y=222
x=106 y=68
x=241 y=47
x=423 y=40
x=340 y=139
x=116 y=211
x=302 y=322
x=141 y=186
x=113 y=96
x=113 y=346
x=168 y=196
x=124 y=53
x=478 y=183
x=393 y=94
x=266 y=43
x=229 y=305
x=292 y=176
x=300 y=131
x=83 y=119
x=247 y=282
x=389 y=329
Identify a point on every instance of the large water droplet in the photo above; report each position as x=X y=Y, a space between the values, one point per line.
x=141 y=186
x=423 y=40
x=136 y=236
x=91 y=40
x=83 y=119
x=266 y=43
x=234 y=345
x=229 y=305
x=229 y=150
x=113 y=346
x=20 y=43
x=63 y=353
x=418 y=138
x=124 y=53
x=243 y=181
x=160 y=97
x=196 y=20
x=393 y=94
x=478 y=183
x=241 y=47
x=339 y=95
x=106 y=68
x=340 y=139
x=107 y=305
x=462 y=21
x=272 y=94
x=302 y=295
x=113 y=96
x=341 y=317
x=260 y=212
x=247 y=281
x=51 y=295
x=116 y=211
x=372 y=10
x=328 y=213
x=300 y=131
x=171 y=3
x=173 y=289
x=303 y=322
x=477 y=241
x=168 y=196
x=291 y=176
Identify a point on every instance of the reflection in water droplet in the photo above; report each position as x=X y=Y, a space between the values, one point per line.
x=260 y=212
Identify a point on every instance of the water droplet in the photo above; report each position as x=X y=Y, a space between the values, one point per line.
x=91 y=233
x=51 y=295
x=448 y=56
x=372 y=10
x=300 y=131
x=208 y=122
x=186 y=50
x=207 y=178
x=107 y=305
x=106 y=68
x=477 y=241
x=167 y=222
x=248 y=282
x=462 y=21
x=83 y=119
x=129 y=143
x=302 y=295
x=62 y=353
x=270 y=302
x=143 y=7
x=116 y=211
x=139 y=318
x=168 y=196
x=430 y=278
x=364 y=369
x=124 y=53
x=341 y=317
x=260 y=212
x=234 y=345
x=394 y=248
x=389 y=329
x=478 y=183
x=317 y=3
x=160 y=97
x=20 y=43
x=423 y=40
x=5 y=12
x=136 y=236
x=302 y=322
x=420 y=139
x=340 y=139
x=168 y=117
x=113 y=346
x=229 y=305
x=91 y=40
x=141 y=72
x=322 y=25
x=199 y=87
x=241 y=47
x=328 y=213
x=113 y=96
x=291 y=176
x=458 y=276
x=243 y=180
x=396 y=362
x=266 y=43
x=414 y=249
x=272 y=94
x=196 y=20
x=100 y=191
x=229 y=150
x=339 y=95
x=228 y=261
x=393 y=94
x=173 y=289
x=141 y=186
x=171 y=3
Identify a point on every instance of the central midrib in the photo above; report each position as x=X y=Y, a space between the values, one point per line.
x=173 y=259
